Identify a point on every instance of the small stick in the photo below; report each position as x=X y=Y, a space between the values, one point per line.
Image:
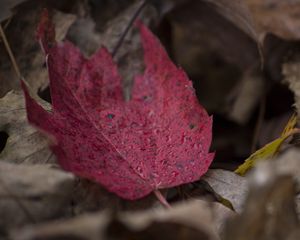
x=162 y=199
x=10 y=53
x=133 y=18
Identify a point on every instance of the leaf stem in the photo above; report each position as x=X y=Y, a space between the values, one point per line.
x=136 y=14
x=161 y=199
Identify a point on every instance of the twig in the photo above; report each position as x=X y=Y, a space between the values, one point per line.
x=133 y=18
x=7 y=22
x=10 y=53
x=162 y=199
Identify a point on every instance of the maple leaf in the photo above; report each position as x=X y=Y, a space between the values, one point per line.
x=158 y=139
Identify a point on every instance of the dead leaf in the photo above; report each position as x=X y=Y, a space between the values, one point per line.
x=24 y=144
x=30 y=59
x=291 y=73
x=258 y=18
x=228 y=185
x=238 y=13
x=30 y=194
x=6 y=8
x=90 y=197
x=269 y=211
x=190 y=220
x=280 y=18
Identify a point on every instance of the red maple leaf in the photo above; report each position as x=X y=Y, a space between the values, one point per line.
x=158 y=139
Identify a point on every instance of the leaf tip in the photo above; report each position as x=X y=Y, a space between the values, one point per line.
x=45 y=33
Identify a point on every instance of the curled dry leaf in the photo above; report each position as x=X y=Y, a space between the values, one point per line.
x=34 y=193
x=24 y=144
x=269 y=211
x=258 y=18
x=277 y=17
x=190 y=220
x=291 y=73
x=158 y=139
x=90 y=197
x=238 y=13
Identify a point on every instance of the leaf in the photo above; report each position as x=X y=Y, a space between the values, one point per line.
x=238 y=13
x=24 y=144
x=29 y=58
x=276 y=17
x=229 y=186
x=258 y=18
x=272 y=185
x=158 y=139
x=188 y=220
x=6 y=7
x=33 y=193
x=269 y=150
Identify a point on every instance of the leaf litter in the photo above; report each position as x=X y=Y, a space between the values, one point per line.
x=273 y=214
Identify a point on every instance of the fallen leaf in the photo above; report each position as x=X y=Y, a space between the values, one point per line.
x=30 y=194
x=229 y=186
x=90 y=197
x=30 y=60
x=190 y=220
x=158 y=139
x=277 y=17
x=25 y=144
x=6 y=7
x=259 y=18
x=291 y=73
x=270 y=149
x=269 y=210
x=238 y=13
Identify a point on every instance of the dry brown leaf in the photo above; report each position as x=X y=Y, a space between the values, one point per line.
x=189 y=220
x=291 y=73
x=6 y=8
x=270 y=211
x=258 y=18
x=91 y=197
x=278 y=17
x=30 y=194
x=21 y=36
x=229 y=186
x=238 y=13
x=24 y=144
